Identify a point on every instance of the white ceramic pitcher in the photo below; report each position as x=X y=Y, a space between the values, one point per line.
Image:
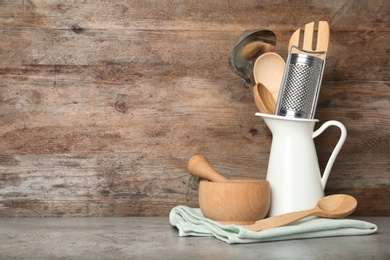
x=293 y=171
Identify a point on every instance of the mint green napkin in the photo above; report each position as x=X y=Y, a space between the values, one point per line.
x=191 y=222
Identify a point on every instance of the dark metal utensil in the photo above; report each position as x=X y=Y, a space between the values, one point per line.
x=247 y=48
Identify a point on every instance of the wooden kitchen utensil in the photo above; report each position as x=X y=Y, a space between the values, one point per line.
x=303 y=73
x=199 y=166
x=264 y=100
x=322 y=45
x=238 y=201
x=334 y=206
x=268 y=70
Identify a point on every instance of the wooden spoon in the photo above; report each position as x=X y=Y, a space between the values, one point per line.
x=334 y=206
x=267 y=98
x=268 y=70
x=264 y=100
x=199 y=166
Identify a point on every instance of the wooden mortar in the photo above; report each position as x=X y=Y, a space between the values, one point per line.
x=240 y=202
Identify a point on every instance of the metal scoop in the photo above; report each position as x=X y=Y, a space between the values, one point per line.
x=247 y=48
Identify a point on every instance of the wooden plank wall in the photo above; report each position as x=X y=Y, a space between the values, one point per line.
x=103 y=102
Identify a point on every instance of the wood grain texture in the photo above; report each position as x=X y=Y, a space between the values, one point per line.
x=103 y=102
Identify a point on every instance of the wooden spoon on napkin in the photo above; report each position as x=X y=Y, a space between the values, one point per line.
x=333 y=206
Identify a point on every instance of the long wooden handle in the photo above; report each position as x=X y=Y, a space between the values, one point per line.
x=282 y=220
x=199 y=166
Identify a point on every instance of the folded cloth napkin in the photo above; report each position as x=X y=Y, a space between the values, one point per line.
x=191 y=222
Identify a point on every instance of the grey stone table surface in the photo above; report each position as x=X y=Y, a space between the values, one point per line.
x=154 y=238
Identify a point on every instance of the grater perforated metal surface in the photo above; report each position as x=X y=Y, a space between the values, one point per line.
x=300 y=85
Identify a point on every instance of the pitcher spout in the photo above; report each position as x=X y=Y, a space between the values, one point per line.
x=279 y=124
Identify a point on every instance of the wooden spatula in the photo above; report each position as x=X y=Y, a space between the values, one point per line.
x=322 y=39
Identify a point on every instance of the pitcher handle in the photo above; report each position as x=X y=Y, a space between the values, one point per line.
x=336 y=150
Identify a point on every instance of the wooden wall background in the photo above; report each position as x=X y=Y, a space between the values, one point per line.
x=103 y=102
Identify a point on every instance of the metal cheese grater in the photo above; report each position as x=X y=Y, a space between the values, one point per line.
x=301 y=84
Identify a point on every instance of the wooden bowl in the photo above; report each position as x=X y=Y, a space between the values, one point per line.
x=235 y=202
